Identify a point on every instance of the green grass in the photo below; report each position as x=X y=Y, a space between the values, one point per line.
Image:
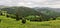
x=12 y=23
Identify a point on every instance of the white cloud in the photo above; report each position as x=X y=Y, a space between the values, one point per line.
x=32 y=3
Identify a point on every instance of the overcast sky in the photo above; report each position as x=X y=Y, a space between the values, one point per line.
x=32 y=3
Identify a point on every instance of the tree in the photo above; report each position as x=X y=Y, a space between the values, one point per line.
x=17 y=15
x=54 y=18
x=0 y=20
x=23 y=20
x=1 y=13
x=7 y=15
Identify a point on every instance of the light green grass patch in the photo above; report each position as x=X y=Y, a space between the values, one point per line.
x=12 y=23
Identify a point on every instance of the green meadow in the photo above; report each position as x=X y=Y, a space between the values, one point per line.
x=12 y=23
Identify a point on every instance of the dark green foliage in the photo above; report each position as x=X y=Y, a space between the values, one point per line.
x=0 y=20
x=1 y=14
x=13 y=17
x=34 y=18
x=7 y=16
x=54 y=18
x=23 y=11
x=17 y=18
x=20 y=18
x=23 y=20
x=39 y=20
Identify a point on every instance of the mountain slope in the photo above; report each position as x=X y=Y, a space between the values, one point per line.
x=22 y=11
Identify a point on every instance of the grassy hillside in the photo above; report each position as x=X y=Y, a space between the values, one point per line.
x=12 y=23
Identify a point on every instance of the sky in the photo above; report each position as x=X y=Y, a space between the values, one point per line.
x=32 y=3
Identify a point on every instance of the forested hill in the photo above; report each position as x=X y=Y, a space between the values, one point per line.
x=24 y=11
x=48 y=11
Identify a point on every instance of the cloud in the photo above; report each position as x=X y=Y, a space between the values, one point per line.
x=31 y=3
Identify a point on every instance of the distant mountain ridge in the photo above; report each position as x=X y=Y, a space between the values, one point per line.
x=32 y=11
